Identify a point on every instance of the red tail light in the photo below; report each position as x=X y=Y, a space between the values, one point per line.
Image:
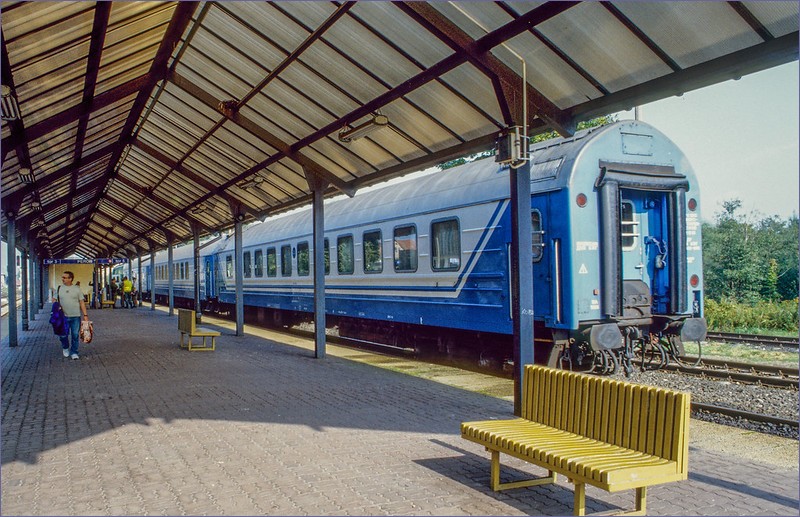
x=692 y=204
x=694 y=280
x=581 y=200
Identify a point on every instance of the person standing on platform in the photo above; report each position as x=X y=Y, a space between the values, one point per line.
x=127 y=288
x=113 y=287
x=71 y=299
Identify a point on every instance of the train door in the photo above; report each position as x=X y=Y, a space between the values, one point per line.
x=644 y=250
x=209 y=278
x=541 y=255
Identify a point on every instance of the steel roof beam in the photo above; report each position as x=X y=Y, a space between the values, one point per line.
x=158 y=71
x=478 y=47
x=458 y=40
x=759 y=57
x=639 y=33
x=74 y=113
x=60 y=174
x=102 y=12
x=172 y=164
x=169 y=207
x=751 y=20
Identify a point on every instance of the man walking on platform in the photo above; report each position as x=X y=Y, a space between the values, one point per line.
x=127 y=288
x=70 y=297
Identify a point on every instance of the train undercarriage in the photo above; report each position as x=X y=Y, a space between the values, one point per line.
x=599 y=347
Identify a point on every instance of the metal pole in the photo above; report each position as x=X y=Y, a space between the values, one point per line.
x=521 y=276
x=24 y=277
x=171 y=277
x=152 y=279
x=139 y=277
x=198 y=313
x=238 y=273
x=41 y=274
x=12 y=279
x=319 y=273
x=32 y=286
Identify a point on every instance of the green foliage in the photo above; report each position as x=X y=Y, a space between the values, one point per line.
x=749 y=261
x=586 y=124
x=541 y=137
x=731 y=316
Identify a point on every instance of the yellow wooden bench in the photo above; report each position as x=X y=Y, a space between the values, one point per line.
x=612 y=434
x=186 y=324
x=108 y=303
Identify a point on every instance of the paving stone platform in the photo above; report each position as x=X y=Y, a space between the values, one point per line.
x=139 y=426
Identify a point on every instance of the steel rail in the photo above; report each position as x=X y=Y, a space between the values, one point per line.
x=757 y=339
x=738 y=376
x=737 y=413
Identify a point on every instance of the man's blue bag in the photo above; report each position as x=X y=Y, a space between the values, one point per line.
x=58 y=320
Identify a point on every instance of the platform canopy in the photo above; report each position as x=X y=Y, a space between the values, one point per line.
x=143 y=122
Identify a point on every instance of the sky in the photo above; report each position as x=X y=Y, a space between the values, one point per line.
x=741 y=138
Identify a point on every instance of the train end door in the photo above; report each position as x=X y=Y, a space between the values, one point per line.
x=644 y=243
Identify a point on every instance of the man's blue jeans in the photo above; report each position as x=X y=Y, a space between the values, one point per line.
x=74 y=326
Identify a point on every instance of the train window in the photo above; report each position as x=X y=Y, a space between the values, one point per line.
x=259 y=263
x=327 y=252
x=229 y=266
x=373 y=258
x=405 y=248
x=286 y=260
x=302 y=259
x=445 y=245
x=537 y=236
x=629 y=226
x=246 y=264
x=344 y=254
x=272 y=262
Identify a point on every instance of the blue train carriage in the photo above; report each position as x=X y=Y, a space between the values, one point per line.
x=619 y=258
x=425 y=263
x=183 y=274
x=408 y=265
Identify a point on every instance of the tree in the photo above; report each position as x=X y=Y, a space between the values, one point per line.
x=541 y=137
x=748 y=260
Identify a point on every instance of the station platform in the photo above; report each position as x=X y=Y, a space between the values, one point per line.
x=139 y=426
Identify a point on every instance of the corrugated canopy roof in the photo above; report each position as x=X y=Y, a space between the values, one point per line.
x=146 y=121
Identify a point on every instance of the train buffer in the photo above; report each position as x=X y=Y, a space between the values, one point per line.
x=611 y=434
x=187 y=327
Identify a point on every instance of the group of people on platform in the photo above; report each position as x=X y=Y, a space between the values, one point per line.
x=125 y=290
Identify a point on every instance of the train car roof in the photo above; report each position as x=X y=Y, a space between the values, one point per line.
x=554 y=163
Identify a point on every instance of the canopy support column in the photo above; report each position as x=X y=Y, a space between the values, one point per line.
x=171 y=277
x=198 y=313
x=11 y=231
x=152 y=281
x=238 y=265
x=521 y=276
x=24 y=276
x=318 y=186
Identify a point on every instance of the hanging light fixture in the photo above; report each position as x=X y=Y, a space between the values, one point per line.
x=252 y=182
x=10 y=105
x=25 y=174
x=354 y=133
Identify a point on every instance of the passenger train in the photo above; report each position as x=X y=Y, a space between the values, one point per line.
x=424 y=263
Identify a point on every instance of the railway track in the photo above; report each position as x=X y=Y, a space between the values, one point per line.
x=755 y=339
x=775 y=376
x=745 y=415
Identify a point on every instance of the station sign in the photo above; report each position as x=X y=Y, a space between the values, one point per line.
x=100 y=261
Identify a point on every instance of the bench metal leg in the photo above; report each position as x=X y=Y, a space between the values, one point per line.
x=580 y=499
x=497 y=485
x=580 y=502
x=204 y=347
